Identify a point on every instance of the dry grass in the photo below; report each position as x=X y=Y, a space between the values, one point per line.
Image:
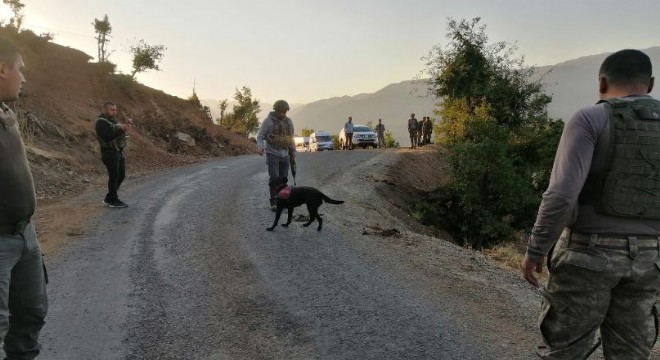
x=510 y=256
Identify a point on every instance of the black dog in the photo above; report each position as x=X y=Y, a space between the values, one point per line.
x=297 y=196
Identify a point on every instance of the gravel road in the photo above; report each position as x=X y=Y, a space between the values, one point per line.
x=189 y=272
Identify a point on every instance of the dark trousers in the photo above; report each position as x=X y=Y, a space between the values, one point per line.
x=278 y=166
x=115 y=162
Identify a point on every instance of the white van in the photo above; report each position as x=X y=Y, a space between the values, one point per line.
x=302 y=143
x=320 y=140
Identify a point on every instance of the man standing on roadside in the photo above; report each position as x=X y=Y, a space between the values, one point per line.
x=275 y=138
x=112 y=138
x=348 y=131
x=23 y=300
x=412 y=130
x=380 y=130
x=601 y=210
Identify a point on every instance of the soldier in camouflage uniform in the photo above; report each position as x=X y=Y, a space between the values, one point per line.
x=275 y=138
x=601 y=214
x=412 y=130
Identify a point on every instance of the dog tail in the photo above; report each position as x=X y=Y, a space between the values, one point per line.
x=330 y=201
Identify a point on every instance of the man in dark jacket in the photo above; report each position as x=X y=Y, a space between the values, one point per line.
x=23 y=299
x=112 y=138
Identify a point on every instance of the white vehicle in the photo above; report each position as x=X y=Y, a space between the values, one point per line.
x=363 y=137
x=302 y=143
x=320 y=140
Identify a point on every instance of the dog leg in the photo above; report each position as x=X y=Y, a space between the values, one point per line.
x=277 y=218
x=318 y=217
x=289 y=216
x=310 y=212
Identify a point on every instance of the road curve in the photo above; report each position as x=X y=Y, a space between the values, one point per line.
x=189 y=272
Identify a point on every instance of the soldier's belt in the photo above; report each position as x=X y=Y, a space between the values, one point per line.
x=641 y=242
x=14 y=229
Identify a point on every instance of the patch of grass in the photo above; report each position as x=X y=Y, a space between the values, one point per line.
x=510 y=255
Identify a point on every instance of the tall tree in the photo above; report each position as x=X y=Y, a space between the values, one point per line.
x=498 y=135
x=102 y=28
x=16 y=7
x=146 y=57
x=243 y=118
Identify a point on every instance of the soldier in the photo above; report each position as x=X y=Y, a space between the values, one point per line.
x=420 y=128
x=427 y=130
x=412 y=130
x=112 y=139
x=275 y=138
x=380 y=130
x=23 y=300
x=603 y=188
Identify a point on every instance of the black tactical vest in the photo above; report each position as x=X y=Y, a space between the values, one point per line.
x=118 y=143
x=630 y=183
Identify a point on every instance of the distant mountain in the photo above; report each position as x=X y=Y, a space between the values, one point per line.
x=393 y=104
x=572 y=84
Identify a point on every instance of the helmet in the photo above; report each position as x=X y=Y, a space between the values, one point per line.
x=281 y=105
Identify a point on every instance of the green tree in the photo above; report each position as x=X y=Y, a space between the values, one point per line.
x=336 y=144
x=146 y=57
x=370 y=124
x=306 y=132
x=243 y=117
x=390 y=141
x=16 y=7
x=103 y=29
x=499 y=138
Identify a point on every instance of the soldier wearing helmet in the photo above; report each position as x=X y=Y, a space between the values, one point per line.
x=275 y=138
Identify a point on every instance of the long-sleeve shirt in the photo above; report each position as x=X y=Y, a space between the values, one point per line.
x=266 y=129
x=348 y=127
x=582 y=149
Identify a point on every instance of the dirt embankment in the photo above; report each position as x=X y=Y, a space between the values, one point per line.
x=61 y=99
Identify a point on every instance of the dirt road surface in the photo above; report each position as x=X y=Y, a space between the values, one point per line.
x=189 y=272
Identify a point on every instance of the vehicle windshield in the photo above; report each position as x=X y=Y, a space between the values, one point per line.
x=323 y=138
x=361 y=129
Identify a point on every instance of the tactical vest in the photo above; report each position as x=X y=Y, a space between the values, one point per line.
x=281 y=135
x=630 y=183
x=118 y=143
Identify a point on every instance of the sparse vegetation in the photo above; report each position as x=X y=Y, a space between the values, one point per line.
x=103 y=29
x=306 y=132
x=390 y=141
x=16 y=21
x=243 y=118
x=146 y=57
x=499 y=138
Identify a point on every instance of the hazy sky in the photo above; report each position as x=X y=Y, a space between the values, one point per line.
x=307 y=50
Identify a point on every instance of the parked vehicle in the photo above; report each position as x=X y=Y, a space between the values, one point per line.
x=320 y=140
x=302 y=143
x=363 y=137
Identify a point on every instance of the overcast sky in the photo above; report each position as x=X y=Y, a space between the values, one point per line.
x=307 y=50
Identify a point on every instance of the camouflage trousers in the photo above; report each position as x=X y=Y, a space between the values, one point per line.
x=594 y=286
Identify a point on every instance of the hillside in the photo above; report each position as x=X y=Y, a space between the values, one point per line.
x=573 y=85
x=62 y=97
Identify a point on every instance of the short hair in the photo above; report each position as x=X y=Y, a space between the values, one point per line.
x=8 y=51
x=108 y=103
x=626 y=67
